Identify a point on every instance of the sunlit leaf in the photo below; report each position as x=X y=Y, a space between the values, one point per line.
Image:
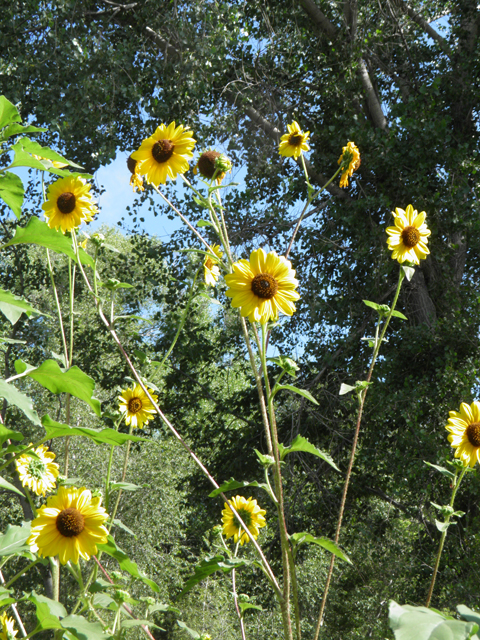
x=329 y=545
x=38 y=232
x=301 y=392
x=8 y=112
x=13 y=541
x=420 y=623
x=232 y=484
x=302 y=444
x=103 y=436
x=13 y=306
x=13 y=396
x=8 y=434
x=12 y=192
x=211 y=565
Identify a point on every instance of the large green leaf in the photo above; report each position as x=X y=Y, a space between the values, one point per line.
x=125 y=563
x=211 y=565
x=302 y=444
x=13 y=306
x=103 y=436
x=5 y=597
x=420 y=623
x=33 y=147
x=468 y=614
x=38 y=232
x=15 y=128
x=13 y=396
x=49 y=612
x=329 y=545
x=12 y=192
x=73 y=381
x=82 y=629
x=8 y=434
x=302 y=392
x=191 y=632
x=232 y=484
x=13 y=541
x=4 y=484
x=8 y=112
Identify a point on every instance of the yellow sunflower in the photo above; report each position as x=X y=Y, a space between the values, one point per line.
x=164 y=154
x=136 y=407
x=7 y=627
x=38 y=474
x=263 y=286
x=464 y=428
x=210 y=269
x=294 y=143
x=408 y=238
x=136 y=180
x=69 y=525
x=351 y=159
x=249 y=512
x=68 y=203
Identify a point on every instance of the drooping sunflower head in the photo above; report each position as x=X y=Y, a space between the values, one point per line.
x=212 y=162
x=164 y=154
x=350 y=161
x=70 y=525
x=38 y=473
x=7 y=627
x=211 y=271
x=294 y=143
x=464 y=429
x=409 y=237
x=251 y=514
x=263 y=286
x=136 y=180
x=69 y=202
x=136 y=407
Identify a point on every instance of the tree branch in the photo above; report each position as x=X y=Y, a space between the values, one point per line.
x=373 y=103
x=416 y=17
x=319 y=18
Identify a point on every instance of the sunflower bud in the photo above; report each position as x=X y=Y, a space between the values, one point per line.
x=223 y=163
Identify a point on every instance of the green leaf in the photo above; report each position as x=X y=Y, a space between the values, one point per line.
x=193 y=634
x=8 y=112
x=409 y=272
x=8 y=434
x=103 y=436
x=128 y=624
x=443 y=526
x=12 y=192
x=162 y=607
x=232 y=484
x=442 y=470
x=301 y=392
x=4 y=484
x=287 y=364
x=329 y=545
x=119 y=523
x=13 y=541
x=15 y=129
x=13 y=396
x=302 y=444
x=13 y=306
x=372 y=305
x=125 y=563
x=397 y=314
x=125 y=486
x=345 y=388
x=49 y=612
x=420 y=623
x=5 y=597
x=33 y=147
x=104 y=601
x=210 y=565
x=203 y=223
x=265 y=460
x=82 y=629
x=245 y=606
x=73 y=381
x=38 y=232
x=468 y=614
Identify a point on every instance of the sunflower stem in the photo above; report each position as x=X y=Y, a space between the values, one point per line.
x=124 y=474
x=455 y=486
x=20 y=573
x=361 y=399
x=55 y=569
x=109 y=469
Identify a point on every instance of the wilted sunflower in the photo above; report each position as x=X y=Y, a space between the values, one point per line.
x=294 y=143
x=350 y=155
x=210 y=269
x=211 y=162
x=38 y=474
x=464 y=428
x=136 y=407
x=249 y=512
x=70 y=525
x=7 y=627
x=136 y=180
x=263 y=286
x=164 y=153
x=68 y=204
x=408 y=238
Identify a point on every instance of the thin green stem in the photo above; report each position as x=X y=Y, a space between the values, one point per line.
x=109 y=469
x=59 y=310
x=20 y=573
x=124 y=474
x=235 y=598
x=456 y=485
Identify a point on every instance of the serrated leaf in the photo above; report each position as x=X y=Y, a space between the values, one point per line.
x=345 y=388
x=13 y=541
x=49 y=612
x=398 y=314
x=420 y=623
x=442 y=470
x=33 y=147
x=301 y=392
x=38 y=232
x=329 y=545
x=8 y=112
x=232 y=484
x=102 y=436
x=73 y=381
x=8 y=434
x=125 y=563
x=13 y=396
x=13 y=306
x=210 y=565
x=302 y=444
x=193 y=634
x=12 y=192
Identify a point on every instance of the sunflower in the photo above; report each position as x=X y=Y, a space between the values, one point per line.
x=164 y=154
x=249 y=512
x=464 y=428
x=351 y=161
x=136 y=407
x=211 y=162
x=69 y=525
x=136 y=180
x=408 y=238
x=68 y=203
x=38 y=474
x=210 y=269
x=263 y=286
x=7 y=627
x=294 y=143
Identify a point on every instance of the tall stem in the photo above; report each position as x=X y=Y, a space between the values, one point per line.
x=235 y=598
x=361 y=399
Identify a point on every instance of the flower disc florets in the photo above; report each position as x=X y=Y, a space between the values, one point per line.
x=136 y=406
x=69 y=202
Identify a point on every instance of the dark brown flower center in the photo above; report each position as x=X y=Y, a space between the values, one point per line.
x=135 y=405
x=264 y=286
x=70 y=522
x=410 y=237
x=162 y=150
x=66 y=202
x=295 y=139
x=131 y=164
x=208 y=263
x=206 y=164
x=473 y=434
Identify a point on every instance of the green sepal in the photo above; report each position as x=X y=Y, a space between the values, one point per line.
x=299 y=443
